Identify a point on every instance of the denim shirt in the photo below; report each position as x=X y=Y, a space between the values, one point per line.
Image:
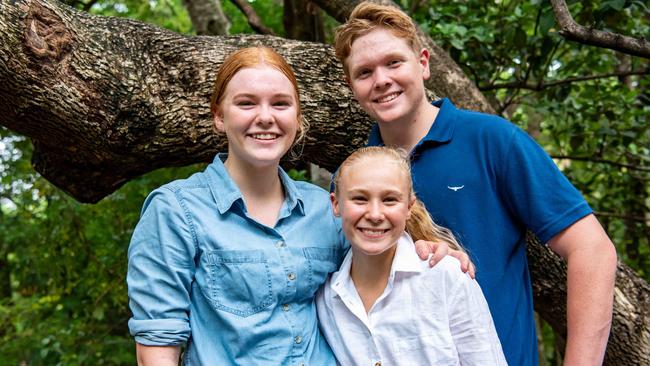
x=203 y=273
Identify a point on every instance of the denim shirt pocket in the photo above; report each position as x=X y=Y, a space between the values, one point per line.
x=321 y=262
x=239 y=281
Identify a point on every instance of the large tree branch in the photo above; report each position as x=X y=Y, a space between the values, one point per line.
x=105 y=100
x=576 y=32
x=447 y=78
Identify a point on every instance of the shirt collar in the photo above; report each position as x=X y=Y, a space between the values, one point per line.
x=442 y=130
x=405 y=260
x=225 y=192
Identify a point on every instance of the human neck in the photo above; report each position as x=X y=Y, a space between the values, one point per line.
x=408 y=132
x=370 y=274
x=261 y=188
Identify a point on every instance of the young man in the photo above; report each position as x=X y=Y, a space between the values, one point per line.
x=488 y=181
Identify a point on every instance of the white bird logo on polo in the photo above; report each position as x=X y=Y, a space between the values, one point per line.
x=456 y=188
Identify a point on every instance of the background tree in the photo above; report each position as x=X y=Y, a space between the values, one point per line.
x=63 y=263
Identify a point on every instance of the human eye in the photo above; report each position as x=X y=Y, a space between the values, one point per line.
x=391 y=200
x=244 y=103
x=362 y=73
x=282 y=104
x=394 y=63
x=358 y=199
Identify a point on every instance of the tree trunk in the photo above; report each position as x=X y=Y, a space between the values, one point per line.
x=303 y=21
x=106 y=99
x=207 y=17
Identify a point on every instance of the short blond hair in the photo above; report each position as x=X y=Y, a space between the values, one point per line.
x=367 y=17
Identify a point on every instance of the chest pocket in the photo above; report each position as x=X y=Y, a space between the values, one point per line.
x=321 y=262
x=239 y=281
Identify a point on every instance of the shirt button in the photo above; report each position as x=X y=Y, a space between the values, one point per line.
x=280 y=244
x=285 y=307
x=298 y=339
x=291 y=276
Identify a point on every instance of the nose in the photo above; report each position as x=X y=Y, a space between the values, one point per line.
x=375 y=212
x=382 y=78
x=265 y=115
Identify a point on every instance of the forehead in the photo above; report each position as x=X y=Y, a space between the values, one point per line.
x=260 y=79
x=377 y=44
x=374 y=171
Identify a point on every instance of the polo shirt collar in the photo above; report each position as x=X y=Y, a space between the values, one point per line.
x=225 y=192
x=442 y=130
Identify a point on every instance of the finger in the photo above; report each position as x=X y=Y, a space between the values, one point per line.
x=422 y=249
x=440 y=250
x=472 y=270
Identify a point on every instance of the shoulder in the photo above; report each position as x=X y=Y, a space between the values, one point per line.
x=312 y=195
x=169 y=195
x=447 y=269
x=310 y=189
x=485 y=123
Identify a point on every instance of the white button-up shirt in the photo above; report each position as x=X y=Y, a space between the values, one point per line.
x=425 y=316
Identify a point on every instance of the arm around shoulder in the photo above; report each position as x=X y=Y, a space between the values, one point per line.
x=591 y=270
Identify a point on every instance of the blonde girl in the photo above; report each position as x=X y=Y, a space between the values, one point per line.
x=384 y=306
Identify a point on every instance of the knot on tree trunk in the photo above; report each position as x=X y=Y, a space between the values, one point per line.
x=47 y=38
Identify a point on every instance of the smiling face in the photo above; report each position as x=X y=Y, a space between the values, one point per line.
x=387 y=76
x=374 y=201
x=259 y=114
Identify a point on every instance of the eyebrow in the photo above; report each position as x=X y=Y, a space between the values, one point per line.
x=253 y=95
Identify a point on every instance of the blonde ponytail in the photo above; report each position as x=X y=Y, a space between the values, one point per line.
x=420 y=226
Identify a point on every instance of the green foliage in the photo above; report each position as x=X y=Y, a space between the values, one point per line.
x=68 y=302
x=63 y=295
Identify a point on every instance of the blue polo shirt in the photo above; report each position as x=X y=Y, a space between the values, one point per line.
x=488 y=181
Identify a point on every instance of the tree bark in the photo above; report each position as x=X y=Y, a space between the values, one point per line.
x=106 y=99
x=207 y=17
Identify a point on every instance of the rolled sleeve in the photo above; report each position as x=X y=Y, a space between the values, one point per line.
x=160 y=271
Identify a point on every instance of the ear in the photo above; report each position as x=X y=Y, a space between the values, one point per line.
x=410 y=205
x=218 y=121
x=423 y=58
x=335 y=205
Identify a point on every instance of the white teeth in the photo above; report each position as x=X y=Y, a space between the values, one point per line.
x=264 y=136
x=388 y=98
x=372 y=232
